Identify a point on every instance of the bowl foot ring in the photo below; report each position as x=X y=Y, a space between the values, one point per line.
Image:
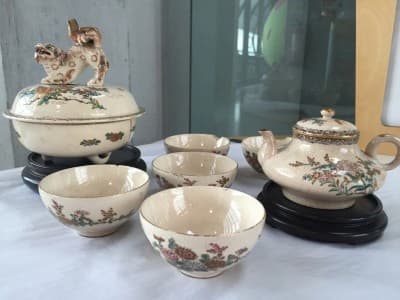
x=97 y=234
x=204 y=275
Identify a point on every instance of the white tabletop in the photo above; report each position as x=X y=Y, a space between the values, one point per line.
x=42 y=259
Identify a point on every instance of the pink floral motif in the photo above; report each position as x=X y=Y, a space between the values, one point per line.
x=343 y=177
x=186 y=259
x=169 y=254
x=81 y=212
x=216 y=249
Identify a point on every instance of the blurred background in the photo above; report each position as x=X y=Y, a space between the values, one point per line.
x=228 y=67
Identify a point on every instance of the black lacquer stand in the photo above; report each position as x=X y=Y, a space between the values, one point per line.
x=36 y=168
x=364 y=222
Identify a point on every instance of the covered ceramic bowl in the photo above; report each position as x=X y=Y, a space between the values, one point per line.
x=57 y=118
x=323 y=167
x=74 y=120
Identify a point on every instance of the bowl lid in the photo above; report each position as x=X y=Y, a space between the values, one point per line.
x=326 y=129
x=73 y=103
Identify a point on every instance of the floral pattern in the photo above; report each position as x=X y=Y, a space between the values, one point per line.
x=343 y=177
x=320 y=121
x=91 y=142
x=43 y=94
x=252 y=159
x=221 y=182
x=113 y=137
x=165 y=184
x=81 y=217
x=188 y=182
x=187 y=260
x=315 y=121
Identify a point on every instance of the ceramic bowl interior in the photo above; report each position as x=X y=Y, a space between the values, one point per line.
x=94 y=181
x=201 y=142
x=184 y=210
x=254 y=143
x=195 y=163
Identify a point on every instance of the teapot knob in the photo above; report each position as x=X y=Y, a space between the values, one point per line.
x=327 y=113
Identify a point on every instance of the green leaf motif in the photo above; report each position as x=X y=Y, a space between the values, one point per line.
x=43 y=94
x=90 y=142
x=343 y=177
x=185 y=259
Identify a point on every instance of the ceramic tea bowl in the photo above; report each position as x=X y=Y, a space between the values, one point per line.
x=252 y=144
x=202 y=230
x=194 y=168
x=197 y=142
x=94 y=200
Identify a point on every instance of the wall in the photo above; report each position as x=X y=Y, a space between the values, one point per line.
x=131 y=39
x=6 y=149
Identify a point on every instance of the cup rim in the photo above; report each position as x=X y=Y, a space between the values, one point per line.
x=199 y=234
x=101 y=166
x=168 y=143
x=193 y=153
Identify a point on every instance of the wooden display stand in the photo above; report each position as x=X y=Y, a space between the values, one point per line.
x=374 y=28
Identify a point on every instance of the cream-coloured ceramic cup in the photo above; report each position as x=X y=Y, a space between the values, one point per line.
x=197 y=143
x=252 y=144
x=94 y=200
x=194 y=168
x=202 y=230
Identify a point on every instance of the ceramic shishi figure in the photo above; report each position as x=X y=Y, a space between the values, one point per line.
x=63 y=67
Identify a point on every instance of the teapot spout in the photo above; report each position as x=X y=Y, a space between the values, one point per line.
x=269 y=148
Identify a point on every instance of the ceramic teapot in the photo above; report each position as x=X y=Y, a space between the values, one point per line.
x=323 y=167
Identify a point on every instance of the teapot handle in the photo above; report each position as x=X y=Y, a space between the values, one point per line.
x=373 y=145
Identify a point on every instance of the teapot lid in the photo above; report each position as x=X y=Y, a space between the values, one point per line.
x=326 y=130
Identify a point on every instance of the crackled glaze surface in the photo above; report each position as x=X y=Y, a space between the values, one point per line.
x=173 y=222
x=94 y=200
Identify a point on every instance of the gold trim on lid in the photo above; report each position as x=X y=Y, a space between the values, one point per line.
x=327 y=137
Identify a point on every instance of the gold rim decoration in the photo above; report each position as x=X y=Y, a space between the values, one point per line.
x=327 y=137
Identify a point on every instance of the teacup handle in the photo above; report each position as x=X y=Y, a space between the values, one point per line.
x=373 y=145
